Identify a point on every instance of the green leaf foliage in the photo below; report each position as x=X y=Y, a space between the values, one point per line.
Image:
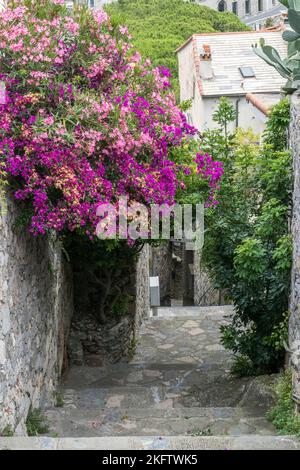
x=247 y=247
x=282 y=415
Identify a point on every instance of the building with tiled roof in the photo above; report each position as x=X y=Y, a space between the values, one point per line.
x=274 y=16
x=244 y=9
x=91 y=3
x=224 y=64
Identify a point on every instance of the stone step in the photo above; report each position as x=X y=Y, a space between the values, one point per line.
x=245 y=442
x=70 y=422
x=165 y=413
x=167 y=385
x=126 y=397
x=194 y=339
x=177 y=384
x=170 y=375
x=160 y=397
x=196 y=311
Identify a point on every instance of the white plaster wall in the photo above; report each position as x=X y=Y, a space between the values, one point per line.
x=248 y=115
x=188 y=85
x=186 y=72
x=100 y=3
x=267 y=5
x=91 y=3
x=202 y=108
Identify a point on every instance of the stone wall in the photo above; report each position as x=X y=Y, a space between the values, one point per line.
x=182 y=278
x=294 y=326
x=178 y=274
x=142 y=287
x=161 y=266
x=96 y=344
x=35 y=312
x=204 y=292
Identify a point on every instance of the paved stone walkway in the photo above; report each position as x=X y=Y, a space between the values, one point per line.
x=177 y=384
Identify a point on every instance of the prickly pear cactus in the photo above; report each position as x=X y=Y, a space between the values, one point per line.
x=288 y=67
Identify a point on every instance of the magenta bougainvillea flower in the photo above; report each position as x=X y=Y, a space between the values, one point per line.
x=85 y=120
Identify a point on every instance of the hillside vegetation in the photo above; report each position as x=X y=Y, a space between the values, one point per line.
x=159 y=27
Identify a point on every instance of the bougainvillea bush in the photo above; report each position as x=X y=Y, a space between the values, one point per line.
x=85 y=120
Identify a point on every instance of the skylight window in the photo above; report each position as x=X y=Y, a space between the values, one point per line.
x=247 y=72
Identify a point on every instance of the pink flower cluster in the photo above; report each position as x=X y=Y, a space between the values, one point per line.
x=85 y=120
x=212 y=171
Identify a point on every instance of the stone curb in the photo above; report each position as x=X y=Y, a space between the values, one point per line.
x=250 y=442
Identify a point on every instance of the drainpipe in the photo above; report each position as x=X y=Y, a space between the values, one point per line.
x=237 y=113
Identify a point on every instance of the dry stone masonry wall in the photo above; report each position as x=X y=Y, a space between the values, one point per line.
x=35 y=313
x=294 y=326
x=36 y=306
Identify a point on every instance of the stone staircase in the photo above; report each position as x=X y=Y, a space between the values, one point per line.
x=177 y=384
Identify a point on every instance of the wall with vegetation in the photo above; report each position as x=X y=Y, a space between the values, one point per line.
x=36 y=304
x=294 y=326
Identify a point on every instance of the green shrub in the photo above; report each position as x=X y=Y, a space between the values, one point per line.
x=243 y=367
x=7 y=432
x=247 y=246
x=59 y=399
x=36 y=422
x=282 y=414
x=200 y=432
